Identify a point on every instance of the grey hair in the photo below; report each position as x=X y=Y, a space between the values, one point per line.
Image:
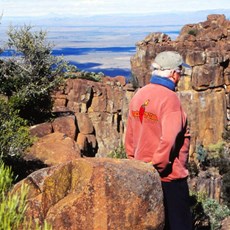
x=162 y=73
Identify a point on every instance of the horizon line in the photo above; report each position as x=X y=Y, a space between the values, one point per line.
x=116 y=14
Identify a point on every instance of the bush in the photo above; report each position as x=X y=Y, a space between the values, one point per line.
x=31 y=73
x=91 y=76
x=6 y=178
x=217 y=155
x=12 y=207
x=216 y=212
x=193 y=169
x=201 y=154
x=14 y=132
x=193 y=32
x=200 y=218
x=213 y=155
x=207 y=211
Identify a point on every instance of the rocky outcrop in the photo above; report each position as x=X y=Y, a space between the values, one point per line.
x=93 y=114
x=96 y=193
x=209 y=183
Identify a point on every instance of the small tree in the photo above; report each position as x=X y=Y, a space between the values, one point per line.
x=31 y=73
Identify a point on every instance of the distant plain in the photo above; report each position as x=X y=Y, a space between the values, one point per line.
x=101 y=43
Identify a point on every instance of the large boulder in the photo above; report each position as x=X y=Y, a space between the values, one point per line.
x=67 y=125
x=96 y=194
x=41 y=130
x=53 y=149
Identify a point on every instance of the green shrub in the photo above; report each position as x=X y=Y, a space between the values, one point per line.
x=118 y=153
x=226 y=134
x=193 y=32
x=91 y=76
x=201 y=154
x=12 y=207
x=6 y=178
x=200 y=219
x=215 y=151
x=212 y=155
x=14 y=132
x=216 y=212
x=218 y=147
x=225 y=188
x=206 y=208
x=31 y=73
x=193 y=169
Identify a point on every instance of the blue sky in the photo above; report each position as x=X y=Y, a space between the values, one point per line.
x=91 y=7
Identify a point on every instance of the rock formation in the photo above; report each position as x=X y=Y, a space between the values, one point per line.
x=93 y=114
x=96 y=194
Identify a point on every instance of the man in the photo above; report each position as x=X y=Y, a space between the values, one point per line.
x=157 y=133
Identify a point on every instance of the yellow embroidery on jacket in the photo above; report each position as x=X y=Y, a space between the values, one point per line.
x=147 y=115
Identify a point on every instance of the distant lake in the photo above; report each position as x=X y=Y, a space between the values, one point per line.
x=106 y=49
x=112 y=61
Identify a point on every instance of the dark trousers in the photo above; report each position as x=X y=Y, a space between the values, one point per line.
x=177 y=208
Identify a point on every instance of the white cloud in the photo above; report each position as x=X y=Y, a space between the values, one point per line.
x=43 y=7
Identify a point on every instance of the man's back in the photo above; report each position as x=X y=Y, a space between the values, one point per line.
x=156 y=119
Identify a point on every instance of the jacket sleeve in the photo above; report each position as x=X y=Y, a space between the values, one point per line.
x=129 y=139
x=171 y=125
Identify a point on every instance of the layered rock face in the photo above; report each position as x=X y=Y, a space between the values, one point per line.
x=96 y=194
x=205 y=90
x=93 y=114
x=100 y=110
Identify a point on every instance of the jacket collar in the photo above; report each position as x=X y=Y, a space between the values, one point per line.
x=155 y=79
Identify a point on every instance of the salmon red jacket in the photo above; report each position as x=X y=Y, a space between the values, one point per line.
x=157 y=130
